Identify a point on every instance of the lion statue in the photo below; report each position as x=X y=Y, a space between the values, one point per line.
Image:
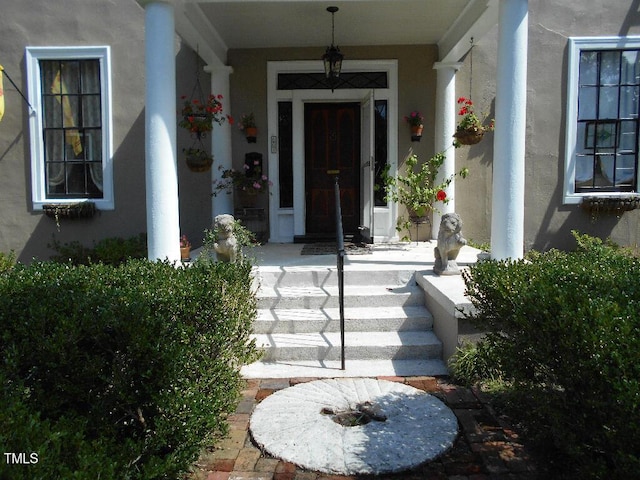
x=227 y=245
x=450 y=242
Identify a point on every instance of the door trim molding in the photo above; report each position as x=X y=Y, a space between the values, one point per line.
x=285 y=223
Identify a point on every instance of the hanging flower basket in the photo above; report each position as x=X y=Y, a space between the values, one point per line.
x=470 y=136
x=471 y=128
x=198 y=160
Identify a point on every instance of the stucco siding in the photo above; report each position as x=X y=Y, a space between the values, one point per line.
x=120 y=25
x=548 y=223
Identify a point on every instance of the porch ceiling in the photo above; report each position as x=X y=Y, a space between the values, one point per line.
x=218 y=25
x=307 y=23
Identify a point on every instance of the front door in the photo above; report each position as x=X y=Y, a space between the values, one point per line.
x=332 y=148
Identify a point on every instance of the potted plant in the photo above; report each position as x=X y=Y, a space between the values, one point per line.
x=185 y=248
x=247 y=123
x=471 y=128
x=248 y=183
x=197 y=117
x=198 y=159
x=418 y=191
x=416 y=120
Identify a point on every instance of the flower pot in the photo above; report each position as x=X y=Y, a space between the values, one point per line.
x=470 y=136
x=251 y=134
x=247 y=199
x=199 y=161
x=185 y=253
x=416 y=132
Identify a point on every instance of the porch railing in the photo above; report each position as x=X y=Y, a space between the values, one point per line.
x=340 y=262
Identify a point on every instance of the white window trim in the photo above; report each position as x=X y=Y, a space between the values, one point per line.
x=33 y=57
x=576 y=44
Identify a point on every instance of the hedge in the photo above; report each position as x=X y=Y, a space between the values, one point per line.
x=565 y=331
x=119 y=372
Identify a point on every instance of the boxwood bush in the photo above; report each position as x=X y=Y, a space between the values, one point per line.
x=565 y=331
x=111 y=250
x=119 y=372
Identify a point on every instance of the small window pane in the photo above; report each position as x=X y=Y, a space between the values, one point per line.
x=610 y=68
x=54 y=145
x=52 y=115
x=608 y=102
x=629 y=102
x=587 y=103
x=584 y=171
x=91 y=113
x=589 y=68
x=70 y=78
x=630 y=67
x=91 y=77
x=605 y=164
x=628 y=141
x=625 y=170
x=583 y=145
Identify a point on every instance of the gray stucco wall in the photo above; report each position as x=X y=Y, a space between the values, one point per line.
x=548 y=223
x=79 y=22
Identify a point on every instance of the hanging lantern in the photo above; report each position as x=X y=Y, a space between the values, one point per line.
x=332 y=57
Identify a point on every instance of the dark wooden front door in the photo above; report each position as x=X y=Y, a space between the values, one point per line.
x=332 y=143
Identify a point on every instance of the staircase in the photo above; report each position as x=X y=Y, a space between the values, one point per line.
x=388 y=330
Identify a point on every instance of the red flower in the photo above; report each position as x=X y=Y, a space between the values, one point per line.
x=441 y=195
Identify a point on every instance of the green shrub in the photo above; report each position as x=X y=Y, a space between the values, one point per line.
x=120 y=372
x=566 y=331
x=110 y=251
x=7 y=261
x=474 y=362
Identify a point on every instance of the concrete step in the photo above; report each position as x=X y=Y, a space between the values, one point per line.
x=320 y=276
x=407 y=345
x=353 y=368
x=310 y=297
x=364 y=319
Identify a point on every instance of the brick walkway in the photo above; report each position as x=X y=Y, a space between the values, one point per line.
x=486 y=448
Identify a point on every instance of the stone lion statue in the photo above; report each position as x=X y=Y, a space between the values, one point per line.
x=450 y=242
x=227 y=245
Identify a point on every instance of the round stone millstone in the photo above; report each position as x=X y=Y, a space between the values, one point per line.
x=406 y=426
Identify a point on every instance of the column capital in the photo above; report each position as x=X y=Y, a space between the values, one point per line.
x=214 y=69
x=452 y=65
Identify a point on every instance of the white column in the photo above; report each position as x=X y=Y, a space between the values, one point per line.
x=221 y=140
x=444 y=129
x=163 y=221
x=507 y=216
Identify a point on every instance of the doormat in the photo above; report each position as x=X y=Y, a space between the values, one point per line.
x=330 y=248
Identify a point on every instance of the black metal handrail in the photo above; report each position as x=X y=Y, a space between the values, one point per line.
x=340 y=262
